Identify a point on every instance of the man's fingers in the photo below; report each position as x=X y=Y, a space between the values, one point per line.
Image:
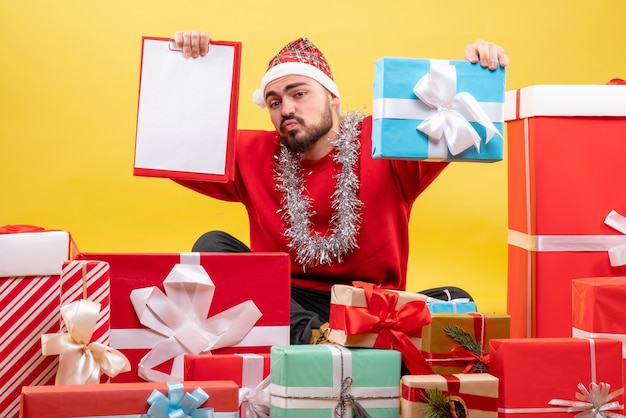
x=205 y=38
x=187 y=44
x=178 y=39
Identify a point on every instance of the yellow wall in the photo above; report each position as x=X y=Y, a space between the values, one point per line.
x=69 y=73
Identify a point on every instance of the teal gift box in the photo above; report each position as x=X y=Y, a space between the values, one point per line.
x=329 y=380
x=437 y=110
x=451 y=306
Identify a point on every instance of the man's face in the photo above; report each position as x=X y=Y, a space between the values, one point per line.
x=300 y=109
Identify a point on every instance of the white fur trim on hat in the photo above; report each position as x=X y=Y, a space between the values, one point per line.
x=293 y=68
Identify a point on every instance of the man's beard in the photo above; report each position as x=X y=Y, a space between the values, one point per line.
x=309 y=134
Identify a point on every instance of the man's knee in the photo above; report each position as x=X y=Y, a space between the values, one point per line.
x=219 y=242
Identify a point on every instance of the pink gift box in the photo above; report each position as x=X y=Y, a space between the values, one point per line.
x=262 y=278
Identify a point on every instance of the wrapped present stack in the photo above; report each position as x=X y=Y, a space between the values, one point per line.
x=207 y=334
x=30 y=274
x=566 y=177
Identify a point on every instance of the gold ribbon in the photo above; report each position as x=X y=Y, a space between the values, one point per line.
x=81 y=361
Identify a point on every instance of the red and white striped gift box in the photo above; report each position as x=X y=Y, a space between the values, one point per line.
x=90 y=280
x=31 y=259
x=29 y=307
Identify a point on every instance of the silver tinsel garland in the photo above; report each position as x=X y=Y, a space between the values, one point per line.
x=311 y=248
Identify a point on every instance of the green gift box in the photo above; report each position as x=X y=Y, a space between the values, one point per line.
x=329 y=380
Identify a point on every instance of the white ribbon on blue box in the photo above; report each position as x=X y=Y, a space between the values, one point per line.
x=437 y=110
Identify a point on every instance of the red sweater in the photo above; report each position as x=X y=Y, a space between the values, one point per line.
x=388 y=190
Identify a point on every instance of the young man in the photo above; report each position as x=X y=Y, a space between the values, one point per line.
x=311 y=187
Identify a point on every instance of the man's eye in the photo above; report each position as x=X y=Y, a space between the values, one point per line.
x=300 y=93
x=274 y=103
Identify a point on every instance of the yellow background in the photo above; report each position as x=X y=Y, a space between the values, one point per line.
x=69 y=79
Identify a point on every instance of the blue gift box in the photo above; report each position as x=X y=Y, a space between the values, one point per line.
x=451 y=306
x=437 y=110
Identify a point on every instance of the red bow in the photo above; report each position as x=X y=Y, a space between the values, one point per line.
x=15 y=229
x=463 y=354
x=392 y=326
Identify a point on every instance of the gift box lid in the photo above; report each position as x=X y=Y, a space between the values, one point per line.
x=565 y=100
x=38 y=253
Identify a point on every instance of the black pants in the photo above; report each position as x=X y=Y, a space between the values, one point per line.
x=309 y=308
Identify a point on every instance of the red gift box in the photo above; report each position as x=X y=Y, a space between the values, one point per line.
x=598 y=309
x=30 y=265
x=363 y=315
x=263 y=278
x=88 y=280
x=117 y=399
x=565 y=152
x=534 y=371
x=248 y=370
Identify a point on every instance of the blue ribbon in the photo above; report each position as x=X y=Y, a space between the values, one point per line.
x=178 y=404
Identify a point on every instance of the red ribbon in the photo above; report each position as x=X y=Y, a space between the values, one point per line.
x=478 y=402
x=616 y=81
x=16 y=229
x=393 y=327
x=469 y=358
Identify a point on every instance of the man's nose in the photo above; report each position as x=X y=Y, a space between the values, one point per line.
x=287 y=107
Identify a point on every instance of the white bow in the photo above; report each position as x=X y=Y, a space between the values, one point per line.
x=81 y=361
x=617 y=255
x=438 y=91
x=255 y=402
x=593 y=403
x=180 y=316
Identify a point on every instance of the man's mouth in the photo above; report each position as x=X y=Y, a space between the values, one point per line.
x=289 y=124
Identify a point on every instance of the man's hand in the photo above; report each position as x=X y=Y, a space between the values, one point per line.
x=488 y=53
x=194 y=43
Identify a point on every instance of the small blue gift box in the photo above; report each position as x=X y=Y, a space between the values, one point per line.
x=461 y=306
x=437 y=110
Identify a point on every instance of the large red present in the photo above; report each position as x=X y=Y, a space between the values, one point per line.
x=566 y=174
x=598 y=309
x=130 y=399
x=542 y=377
x=247 y=297
x=250 y=372
x=31 y=259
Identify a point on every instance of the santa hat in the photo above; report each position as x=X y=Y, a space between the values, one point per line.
x=299 y=57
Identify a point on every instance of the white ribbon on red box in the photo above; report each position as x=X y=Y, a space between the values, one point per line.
x=180 y=319
x=254 y=394
x=615 y=245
